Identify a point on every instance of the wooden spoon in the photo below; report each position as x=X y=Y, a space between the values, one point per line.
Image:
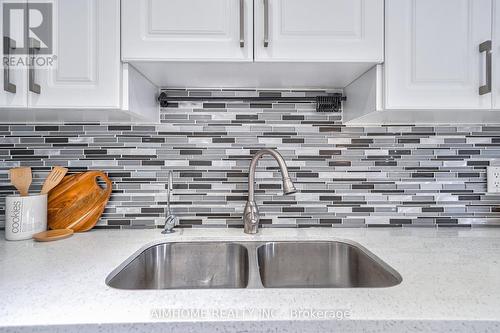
x=21 y=179
x=54 y=178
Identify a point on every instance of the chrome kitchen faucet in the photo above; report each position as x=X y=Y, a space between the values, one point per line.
x=251 y=211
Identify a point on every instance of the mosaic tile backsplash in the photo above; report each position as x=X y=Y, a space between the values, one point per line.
x=346 y=176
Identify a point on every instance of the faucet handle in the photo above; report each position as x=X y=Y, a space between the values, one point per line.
x=170 y=223
x=251 y=218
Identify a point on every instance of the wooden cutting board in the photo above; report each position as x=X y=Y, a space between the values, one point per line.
x=78 y=201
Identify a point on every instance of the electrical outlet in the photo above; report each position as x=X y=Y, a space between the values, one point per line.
x=493 y=179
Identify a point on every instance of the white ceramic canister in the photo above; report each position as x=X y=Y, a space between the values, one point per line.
x=25 y=216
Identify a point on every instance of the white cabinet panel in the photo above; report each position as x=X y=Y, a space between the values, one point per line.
x=87 y=71
x=432 y=53
x=13 y=84
x=205 y=30
x=496 y=55
x=319 y=30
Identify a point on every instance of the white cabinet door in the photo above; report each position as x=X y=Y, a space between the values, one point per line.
x=13 y=82
x=319 y=30
x=432 y=58
x=187 y=30
x=496 y=55
x=87 y=70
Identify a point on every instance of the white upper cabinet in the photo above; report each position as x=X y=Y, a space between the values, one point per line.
x=442 y=66
x=319 y=30
x=75 y=72
x=496 y=55
x=187 y=30
x=87 y=70
x=432 y=58
x=213 y=43
x=14 y=78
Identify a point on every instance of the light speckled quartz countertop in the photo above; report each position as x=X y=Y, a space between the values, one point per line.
x=451 y=283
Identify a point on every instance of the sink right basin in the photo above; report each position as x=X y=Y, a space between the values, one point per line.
x=331 y=264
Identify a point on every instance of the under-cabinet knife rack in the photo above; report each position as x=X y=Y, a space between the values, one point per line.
x=326 y=103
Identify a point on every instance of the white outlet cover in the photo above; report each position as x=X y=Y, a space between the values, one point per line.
x=493 y=179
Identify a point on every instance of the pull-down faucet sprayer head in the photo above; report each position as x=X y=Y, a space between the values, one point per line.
x=288 y=187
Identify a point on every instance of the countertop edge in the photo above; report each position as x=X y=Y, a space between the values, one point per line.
x=299 y=326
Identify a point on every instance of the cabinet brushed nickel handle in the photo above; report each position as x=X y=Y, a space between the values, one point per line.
x=34 y=47
x=8 y=44
x=242 y=23
x=266 y=23
x=486 y=47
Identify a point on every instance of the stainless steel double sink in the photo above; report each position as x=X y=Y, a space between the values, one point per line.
x=287 y=264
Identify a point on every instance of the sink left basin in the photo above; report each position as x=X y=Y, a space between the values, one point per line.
x=193 y=265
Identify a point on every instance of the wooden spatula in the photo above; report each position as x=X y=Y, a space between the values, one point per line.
x=54 y=178
x=21 y=179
